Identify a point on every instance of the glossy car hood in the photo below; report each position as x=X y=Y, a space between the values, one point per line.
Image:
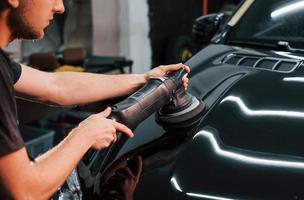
x=214 y=54
x=263 y=111
x=251 y=108
x=250 y=144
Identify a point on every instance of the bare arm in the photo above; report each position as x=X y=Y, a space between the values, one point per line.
x=40 y=179
x=72 y=88
x=22 y=179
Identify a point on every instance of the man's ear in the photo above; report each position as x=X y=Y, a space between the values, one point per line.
x=13 y=3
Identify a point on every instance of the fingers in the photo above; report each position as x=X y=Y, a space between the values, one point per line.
x=185 y=81
x=114 y=137
x=175 y=67
x=187 y=68
x=118 y=126
x=163 y=70
x=122 y=128
x=106 y=112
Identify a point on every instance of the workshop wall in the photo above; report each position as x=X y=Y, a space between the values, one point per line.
x=134 y=33
x=105 y=27
x=78 y=25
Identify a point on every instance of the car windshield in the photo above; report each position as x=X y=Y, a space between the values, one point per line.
x=269 y=21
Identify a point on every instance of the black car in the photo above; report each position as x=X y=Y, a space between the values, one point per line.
x=238 y=133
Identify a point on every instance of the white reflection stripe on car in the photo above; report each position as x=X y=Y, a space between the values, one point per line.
x=246 y=158
x=177 y=187
x=270 y=113
x=294 y=79
x=289 y=9
x=175 y=184
x=207 y=196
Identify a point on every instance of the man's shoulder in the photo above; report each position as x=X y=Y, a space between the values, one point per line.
x=9 y=70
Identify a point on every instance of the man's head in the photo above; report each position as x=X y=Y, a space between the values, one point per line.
x=27 y=19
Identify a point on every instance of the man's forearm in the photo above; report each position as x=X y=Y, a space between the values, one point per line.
x=78 y=88
x=40 y=179
x=56 y=165
x=72 y=88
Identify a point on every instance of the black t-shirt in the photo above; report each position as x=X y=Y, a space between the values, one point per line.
x=10 y=138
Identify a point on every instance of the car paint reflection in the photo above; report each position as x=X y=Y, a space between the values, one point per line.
x=241 y=157
x=175 y=184
x=294 y=79
x=289 y=9
x=289 y=55
x=269 y=113
x=208 y=196
x=115 y=184
x=121 y=179
x=204 y=196
x=178 y=188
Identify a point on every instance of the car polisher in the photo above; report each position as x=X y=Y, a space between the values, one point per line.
x=183 y=111
x=178 y=109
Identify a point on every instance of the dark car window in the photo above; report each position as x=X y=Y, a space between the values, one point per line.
x=270 y=21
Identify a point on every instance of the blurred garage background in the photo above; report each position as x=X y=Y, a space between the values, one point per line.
x=105 y=36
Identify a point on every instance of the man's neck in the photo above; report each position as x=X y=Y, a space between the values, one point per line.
x=5 y=33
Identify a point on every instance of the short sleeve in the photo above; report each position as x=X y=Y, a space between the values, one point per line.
x=10 y=138
x=16 y=70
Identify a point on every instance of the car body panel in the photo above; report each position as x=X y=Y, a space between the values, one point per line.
x=246 y=147
x=248 y=143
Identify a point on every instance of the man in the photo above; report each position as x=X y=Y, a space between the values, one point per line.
x=19 y=177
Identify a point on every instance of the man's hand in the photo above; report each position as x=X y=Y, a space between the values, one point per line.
x=162 y=71
x=102 y=130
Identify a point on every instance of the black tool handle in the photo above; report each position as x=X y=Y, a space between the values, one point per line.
x=156 y=93
x=136 y=108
